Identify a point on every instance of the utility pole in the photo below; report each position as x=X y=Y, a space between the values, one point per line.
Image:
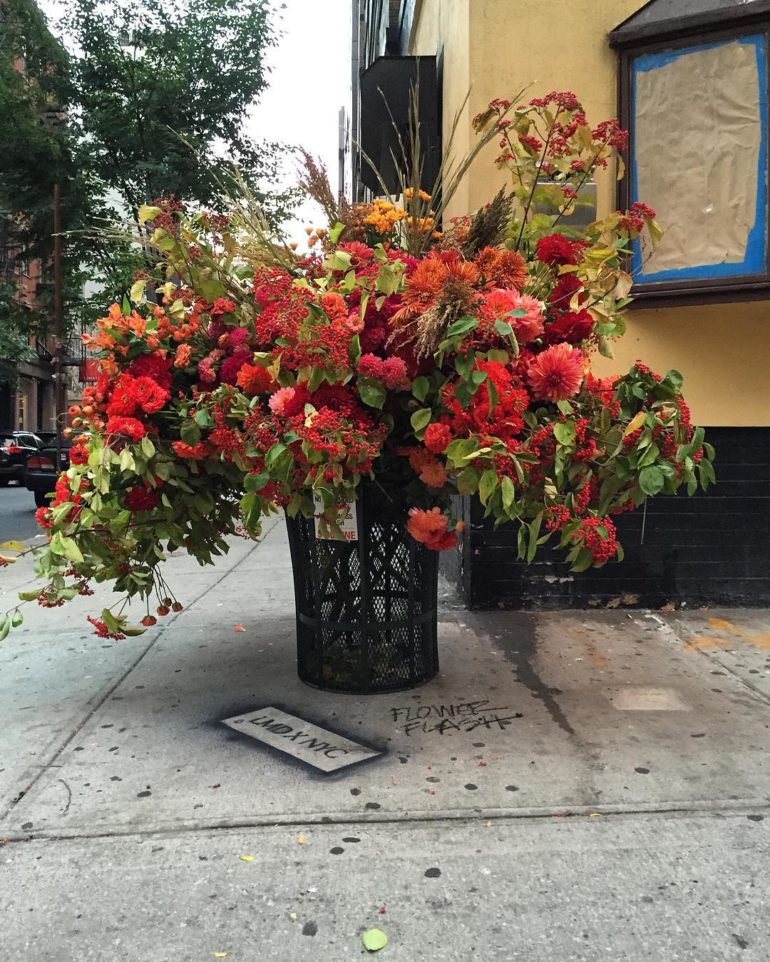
x=60 y=393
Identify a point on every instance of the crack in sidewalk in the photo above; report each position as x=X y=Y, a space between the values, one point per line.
x=717 y=808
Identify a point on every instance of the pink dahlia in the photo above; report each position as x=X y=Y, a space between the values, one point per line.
x=556 y=373
x=498 y=304
x=281 y=400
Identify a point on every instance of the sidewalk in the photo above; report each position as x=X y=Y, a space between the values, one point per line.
x=583 y=786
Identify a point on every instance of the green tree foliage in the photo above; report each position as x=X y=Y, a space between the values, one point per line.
x=155 y=95
x=161 y=84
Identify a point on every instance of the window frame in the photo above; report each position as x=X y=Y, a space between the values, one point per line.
x=755 y=286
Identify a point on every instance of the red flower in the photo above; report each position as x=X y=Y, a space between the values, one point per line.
x=334 y=305
x=122 y=400
x=556 y=373
x=152 y=366
x=43 y=517
x=253 y=379
x=572 y=326
x=431 y=529
x=228 y=373
x=564 y=290
x=194 y=452
x=498 y=304
x=78 y=454
x=148 y=395
x=556 y=249
x=222 y=306
x=437 y=437
x=140 y=499
x=128 y=426
x=392 y=372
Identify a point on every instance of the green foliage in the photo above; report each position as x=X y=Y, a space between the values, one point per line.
x=160 y=86
x=153 y=102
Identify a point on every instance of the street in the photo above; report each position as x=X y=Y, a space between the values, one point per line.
x=17 y=513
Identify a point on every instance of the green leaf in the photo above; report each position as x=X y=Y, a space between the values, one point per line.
x=274 y=454
x=583 y=561
x=487 y=485
x=467 y=480
x=509 y=492
x=5 y=627
x=421 y=419
x=29 y=595
x=190 y=432
x=334 y=233
x=420 y=387
x=17 y=618
x=534 y=533
x=461 y=450
x=462 y=326
x=203 y=418
x=148 y=448
x=374 y=940
x=564 y=432
x=371 y=392
x=651 y=480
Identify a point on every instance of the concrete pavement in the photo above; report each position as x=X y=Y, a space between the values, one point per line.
x=573 y=786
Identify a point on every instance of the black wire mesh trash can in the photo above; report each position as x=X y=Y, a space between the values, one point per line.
x=366 y=609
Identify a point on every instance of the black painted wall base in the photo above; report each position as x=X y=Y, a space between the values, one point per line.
x=711 y=549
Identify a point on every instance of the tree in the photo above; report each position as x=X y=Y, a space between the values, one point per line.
x=161 y=84
x=36 y=154
x=156 y=93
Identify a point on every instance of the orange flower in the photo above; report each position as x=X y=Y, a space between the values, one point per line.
x=183 y=353
x=426 y=283
x=426 y=465
x=253 y=379
x=193 y=452
x=502 y=268
x=431 y=529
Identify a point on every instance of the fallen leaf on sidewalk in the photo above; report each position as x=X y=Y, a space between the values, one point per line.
x=247 y=858
x=374 y=940
x=13 y=545
x=238 y=628
x=301 y=839
x=219 y=955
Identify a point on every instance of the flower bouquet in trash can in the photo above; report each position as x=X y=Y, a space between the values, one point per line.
x=430 y=356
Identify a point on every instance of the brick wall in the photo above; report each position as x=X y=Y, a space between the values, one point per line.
x=711 y=549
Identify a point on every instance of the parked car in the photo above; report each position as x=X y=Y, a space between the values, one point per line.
x=41 y=472
x=15 y=448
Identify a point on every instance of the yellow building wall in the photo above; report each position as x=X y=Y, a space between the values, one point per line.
x=445 y=25
x=496 y=47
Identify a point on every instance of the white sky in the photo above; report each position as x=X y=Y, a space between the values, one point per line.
x=309 y=81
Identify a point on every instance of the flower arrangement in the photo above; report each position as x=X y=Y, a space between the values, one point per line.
x=249 y=378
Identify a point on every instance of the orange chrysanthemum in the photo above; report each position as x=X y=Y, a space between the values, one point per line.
x=502 y=268
x=428 y=280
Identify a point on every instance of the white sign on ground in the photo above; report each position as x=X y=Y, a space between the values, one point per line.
x=318 y=747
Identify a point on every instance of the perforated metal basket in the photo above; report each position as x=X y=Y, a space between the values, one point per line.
x=366 y=609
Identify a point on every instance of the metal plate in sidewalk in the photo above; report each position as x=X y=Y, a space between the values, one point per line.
x=308 y=743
